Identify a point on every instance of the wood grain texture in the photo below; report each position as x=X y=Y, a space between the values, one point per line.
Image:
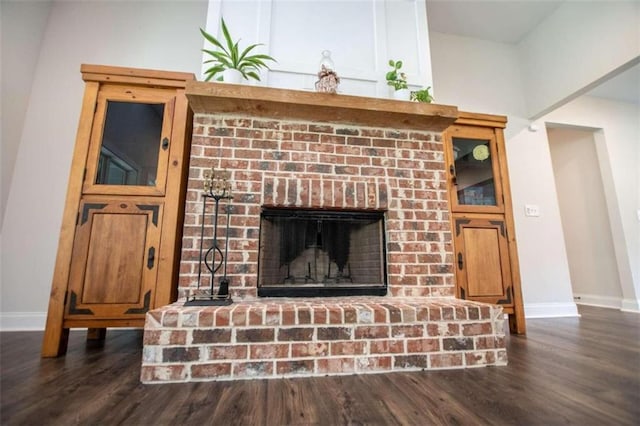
x=482 y=246
x=146 y=77
x=113 y=305
x=54 y=339
x=319 y=107
x=517 y=321
x=115 y=259
x=581 y=371
x=489 y=127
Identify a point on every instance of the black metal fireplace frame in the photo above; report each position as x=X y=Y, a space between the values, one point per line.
x=325 y=291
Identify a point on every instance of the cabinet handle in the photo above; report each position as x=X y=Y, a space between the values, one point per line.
x=460 y=261
x=452 y=171
x=151 y=257
x=165 y=143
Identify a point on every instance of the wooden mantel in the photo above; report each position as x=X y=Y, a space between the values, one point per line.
x=306 y=105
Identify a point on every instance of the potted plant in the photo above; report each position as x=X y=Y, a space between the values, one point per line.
x=422 y=95
x=230 y=64
x=397 y=80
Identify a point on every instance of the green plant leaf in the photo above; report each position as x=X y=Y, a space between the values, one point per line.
x=265 y=57
x=392 y=63
x=253 y=75
x=227 y=36
x=228 y=56
x=222 y=58
x=211 y=72
x=211 y=39
x=247 y=50
x=258 y=56
x=234 y=55
x=255 y=61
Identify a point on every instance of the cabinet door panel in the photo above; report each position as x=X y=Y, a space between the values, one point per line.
x=113 y=269
x=474 y=170
x=483 y=271
x=109 y=275
x=130 y=141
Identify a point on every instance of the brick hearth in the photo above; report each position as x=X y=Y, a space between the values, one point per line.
x=308 y=150
x=271 y=338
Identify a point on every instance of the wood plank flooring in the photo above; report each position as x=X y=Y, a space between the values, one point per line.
x=583 y=371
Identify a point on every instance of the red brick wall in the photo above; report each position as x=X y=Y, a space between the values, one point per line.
x=270 y=338
x=301 y=164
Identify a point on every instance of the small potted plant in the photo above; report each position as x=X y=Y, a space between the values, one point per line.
x=228 y=63
x=422 y=95
x=398 y=80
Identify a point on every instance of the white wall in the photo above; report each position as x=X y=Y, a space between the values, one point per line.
x=484 y=76
x=22 y=25
x=546 y=283
x=574 y=48
x=156 y=35
x=619 y=159
x=361 y=35
x=585 y=218
x=478 y=76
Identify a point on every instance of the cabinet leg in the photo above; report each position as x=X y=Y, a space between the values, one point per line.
x=517 y=323
x=55 y=342
x=64 y=341
x=96 y=333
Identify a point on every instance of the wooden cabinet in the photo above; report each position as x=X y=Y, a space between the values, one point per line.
x=118 y=251
x=113 y=265
x=482 y=218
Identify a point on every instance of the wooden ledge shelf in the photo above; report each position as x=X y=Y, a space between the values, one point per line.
x=321 y=107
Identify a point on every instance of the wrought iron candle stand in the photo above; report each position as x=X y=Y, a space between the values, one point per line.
x=217 y=187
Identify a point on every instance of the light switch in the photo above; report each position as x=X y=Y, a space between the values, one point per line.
x=531 y=210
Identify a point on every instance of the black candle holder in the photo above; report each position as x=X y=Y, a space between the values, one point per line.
x=217 y=187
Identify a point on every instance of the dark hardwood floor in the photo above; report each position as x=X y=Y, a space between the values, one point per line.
x=583 y=371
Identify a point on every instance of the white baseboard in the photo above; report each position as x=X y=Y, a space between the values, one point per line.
x=22 y=321
x=630 y=305
x=35 y=321
x=550 y=310
x=627 y=305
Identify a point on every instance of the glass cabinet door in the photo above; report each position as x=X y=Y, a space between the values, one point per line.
x=130 y=142
x=473 y=170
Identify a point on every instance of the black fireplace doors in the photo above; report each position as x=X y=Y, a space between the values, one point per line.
x=307 y=252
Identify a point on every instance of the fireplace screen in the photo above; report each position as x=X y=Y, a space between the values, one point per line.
x=321 y=253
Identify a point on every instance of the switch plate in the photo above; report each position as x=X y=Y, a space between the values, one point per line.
x=531 y=210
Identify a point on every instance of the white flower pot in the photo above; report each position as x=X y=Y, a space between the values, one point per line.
x=232 y=76
x=402 y=94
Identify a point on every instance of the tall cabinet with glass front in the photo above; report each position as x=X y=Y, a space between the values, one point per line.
x=121 y=232
x=486 y=260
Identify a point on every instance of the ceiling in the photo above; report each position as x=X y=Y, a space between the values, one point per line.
x=509 y=21
x=499 y=21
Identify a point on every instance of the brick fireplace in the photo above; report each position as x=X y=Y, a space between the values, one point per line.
x=291 y=151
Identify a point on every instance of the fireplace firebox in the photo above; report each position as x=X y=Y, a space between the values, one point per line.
x=308 y=253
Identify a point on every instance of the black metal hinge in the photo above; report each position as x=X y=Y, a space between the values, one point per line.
x=77 y=311
x=145 y=306
x=90 y=206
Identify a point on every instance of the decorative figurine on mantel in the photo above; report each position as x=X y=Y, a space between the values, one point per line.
x=328 y=79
